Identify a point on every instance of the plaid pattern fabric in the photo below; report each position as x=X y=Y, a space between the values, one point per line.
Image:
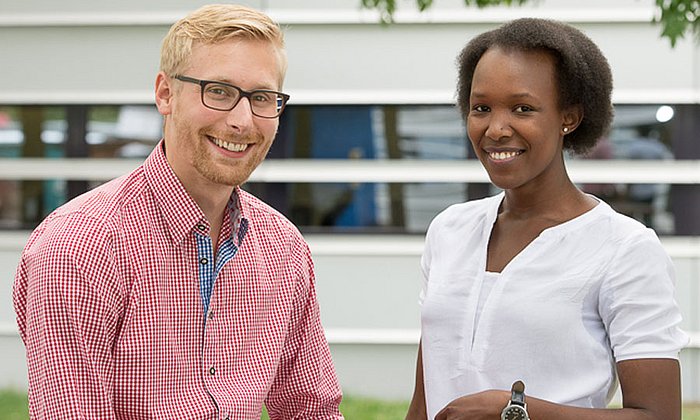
x=111 y=293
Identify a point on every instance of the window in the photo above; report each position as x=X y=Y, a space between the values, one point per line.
x=362 y=133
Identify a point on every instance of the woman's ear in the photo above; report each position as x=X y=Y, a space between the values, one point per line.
x=571 y=118
x=164 y=93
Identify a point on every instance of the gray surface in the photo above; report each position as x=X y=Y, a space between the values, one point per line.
x=371 y=290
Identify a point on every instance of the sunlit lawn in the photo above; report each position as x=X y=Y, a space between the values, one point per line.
x=364 y=408
x=13 y=406
x=691 y=412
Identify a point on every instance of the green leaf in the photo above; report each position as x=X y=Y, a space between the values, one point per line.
x=424 y=4
x=677 y=17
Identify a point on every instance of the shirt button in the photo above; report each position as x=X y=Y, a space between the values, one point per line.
x=212 y=371
x=201 y=227
x=203 y=261
x=211 y=314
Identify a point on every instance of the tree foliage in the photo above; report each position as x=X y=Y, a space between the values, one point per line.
x=679 y=17
x=676 y=17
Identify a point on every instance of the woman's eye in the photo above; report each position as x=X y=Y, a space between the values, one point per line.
x=481 y=108
x=523 y=108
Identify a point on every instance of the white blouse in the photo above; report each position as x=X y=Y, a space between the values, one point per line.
x=582 y=296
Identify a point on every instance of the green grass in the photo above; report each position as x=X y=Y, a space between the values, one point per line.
x=365 y=408
x=13 y=406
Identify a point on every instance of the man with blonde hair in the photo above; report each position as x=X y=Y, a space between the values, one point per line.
x=170 y=292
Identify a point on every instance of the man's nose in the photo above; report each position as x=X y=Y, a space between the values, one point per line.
x=241 y=116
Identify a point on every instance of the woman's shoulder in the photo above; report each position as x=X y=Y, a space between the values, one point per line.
x=624 y=228
x=621 y=235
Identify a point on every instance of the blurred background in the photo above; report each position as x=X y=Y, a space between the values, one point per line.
x=370 y=147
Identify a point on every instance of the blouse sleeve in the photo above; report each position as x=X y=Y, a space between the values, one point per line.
x=637 y=302
x=425 y=261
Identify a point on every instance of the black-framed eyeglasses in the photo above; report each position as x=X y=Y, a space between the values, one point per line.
x=224 y=97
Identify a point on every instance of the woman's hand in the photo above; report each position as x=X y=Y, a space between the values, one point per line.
x=651 y=390
x=486 y=405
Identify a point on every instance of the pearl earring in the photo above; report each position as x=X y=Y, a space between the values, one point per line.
x=566 y=130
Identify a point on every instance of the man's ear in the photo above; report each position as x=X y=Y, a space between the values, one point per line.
x=164 y=93
x=572 y=117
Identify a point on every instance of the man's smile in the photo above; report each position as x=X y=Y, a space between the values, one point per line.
x=232 y=147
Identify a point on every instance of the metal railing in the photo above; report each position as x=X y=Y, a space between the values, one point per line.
x=400 y=171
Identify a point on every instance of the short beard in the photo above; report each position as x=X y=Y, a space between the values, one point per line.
x=237 y=174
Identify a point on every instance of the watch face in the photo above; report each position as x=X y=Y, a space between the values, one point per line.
x=514 y=412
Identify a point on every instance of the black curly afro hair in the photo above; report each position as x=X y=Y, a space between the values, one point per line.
x=583 y=73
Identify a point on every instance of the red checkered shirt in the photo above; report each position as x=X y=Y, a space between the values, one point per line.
x=110 y=304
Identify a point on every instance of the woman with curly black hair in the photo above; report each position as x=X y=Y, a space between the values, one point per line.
x=542 y=286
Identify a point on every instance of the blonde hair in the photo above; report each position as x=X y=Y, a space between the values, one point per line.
x=215 y=23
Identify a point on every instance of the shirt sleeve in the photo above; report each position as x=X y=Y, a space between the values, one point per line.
x=637 y=301
x=66 y=299
x=305 y=385
x=426 y=259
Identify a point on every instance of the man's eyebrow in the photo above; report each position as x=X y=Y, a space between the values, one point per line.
x=228 y=81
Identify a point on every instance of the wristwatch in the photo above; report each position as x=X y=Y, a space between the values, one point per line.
x=516 y=408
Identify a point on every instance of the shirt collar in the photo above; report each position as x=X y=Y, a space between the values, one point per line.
x=180 y=212
x=237 y=218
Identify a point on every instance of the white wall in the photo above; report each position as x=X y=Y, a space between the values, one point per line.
x=78 y=51
x=368 y=289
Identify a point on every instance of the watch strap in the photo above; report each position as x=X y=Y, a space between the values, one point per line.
x=517 y=393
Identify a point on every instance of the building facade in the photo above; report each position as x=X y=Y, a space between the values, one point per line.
x=370 y=147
